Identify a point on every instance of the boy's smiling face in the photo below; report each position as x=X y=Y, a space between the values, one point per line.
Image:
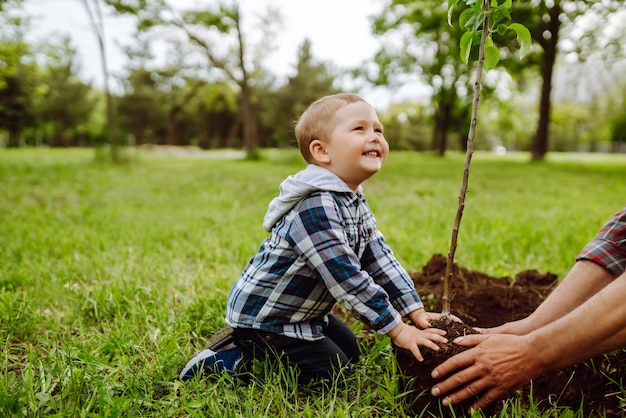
x=356 y=148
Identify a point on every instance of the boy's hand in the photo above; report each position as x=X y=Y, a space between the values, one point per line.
x=410 y=338
x=421 y=318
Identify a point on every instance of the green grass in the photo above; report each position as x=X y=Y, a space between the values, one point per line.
x=112 y=276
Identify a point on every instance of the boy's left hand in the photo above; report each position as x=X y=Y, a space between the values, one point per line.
x=421 y=318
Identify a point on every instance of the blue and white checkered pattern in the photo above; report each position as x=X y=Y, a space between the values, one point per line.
x=326 y=249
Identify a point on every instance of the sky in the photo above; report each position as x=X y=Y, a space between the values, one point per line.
x=338 y=29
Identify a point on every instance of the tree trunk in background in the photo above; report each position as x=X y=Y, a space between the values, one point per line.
x=442 y=121
x=540 y=141
x=249 y=140
x=172 y=117
x=14 y=138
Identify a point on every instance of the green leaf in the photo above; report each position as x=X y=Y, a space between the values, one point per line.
x=523 y=37
x=465 y=45
x=451 y=4
x=477 y=5
x=502 y=29
x=492 y=57
x=477 y=36
x=465 y=17
x=498 y=14
x=471 y=20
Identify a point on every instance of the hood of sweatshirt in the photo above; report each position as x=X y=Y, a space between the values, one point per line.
x=294 y=188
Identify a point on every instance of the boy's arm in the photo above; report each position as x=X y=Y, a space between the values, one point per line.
x=318 y=235
x=380 y=262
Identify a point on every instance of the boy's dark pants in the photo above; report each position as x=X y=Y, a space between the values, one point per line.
x=315 y=360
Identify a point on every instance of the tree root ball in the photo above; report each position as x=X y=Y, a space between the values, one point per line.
x=415 y=375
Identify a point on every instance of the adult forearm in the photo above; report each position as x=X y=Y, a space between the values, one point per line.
x=593 y=328
x=584 y=280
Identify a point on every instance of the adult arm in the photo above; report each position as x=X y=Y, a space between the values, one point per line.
x=601 y=260
x=583 y=280
x=499 y=363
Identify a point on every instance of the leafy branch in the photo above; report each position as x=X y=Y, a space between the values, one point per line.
x=480 y=19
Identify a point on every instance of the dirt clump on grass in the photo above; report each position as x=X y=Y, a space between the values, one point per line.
x=484 y=301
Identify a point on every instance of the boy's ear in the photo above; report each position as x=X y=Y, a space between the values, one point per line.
x=318 y=152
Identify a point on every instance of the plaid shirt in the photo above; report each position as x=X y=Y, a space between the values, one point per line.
x=326 y=249
x=608 y=248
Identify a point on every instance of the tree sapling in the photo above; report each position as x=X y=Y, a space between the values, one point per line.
x=480 y=19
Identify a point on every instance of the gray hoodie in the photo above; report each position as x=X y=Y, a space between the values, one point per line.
x=294 y=188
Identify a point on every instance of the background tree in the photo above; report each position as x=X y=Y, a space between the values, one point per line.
x=560 y=28
x=138 y=110
x=162 y=101
x=407 y=126
x=94 y=13
x=19 y=74
x=617 y=121
x=282 y=106
x=214 y=111
x=218 y=34
x=65 y=103
x=417 y=40
x=416 y=43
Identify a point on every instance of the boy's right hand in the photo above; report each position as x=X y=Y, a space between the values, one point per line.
x=410 y=338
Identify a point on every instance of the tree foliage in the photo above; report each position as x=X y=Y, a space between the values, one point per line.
x=93 y=8
x=311 y=79
x=416 y=42
x=195 y=93
x=18 y=76
x=65 y=103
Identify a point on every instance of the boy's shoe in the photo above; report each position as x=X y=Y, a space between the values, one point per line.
x=222 y=340
x=221 y=354
x=208 y=360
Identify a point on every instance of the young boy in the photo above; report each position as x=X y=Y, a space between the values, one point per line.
x=324 y=248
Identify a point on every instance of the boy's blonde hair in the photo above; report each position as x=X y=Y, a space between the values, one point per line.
x=314 y=123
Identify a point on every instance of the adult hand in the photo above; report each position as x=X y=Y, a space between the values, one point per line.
x=494 y=365
x=520 y=327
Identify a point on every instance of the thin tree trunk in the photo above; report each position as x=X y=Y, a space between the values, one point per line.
x=250 y=133
x=447 y=280
x=95 y=18
x=539 y=147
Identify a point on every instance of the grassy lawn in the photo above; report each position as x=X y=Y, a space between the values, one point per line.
x=112 y=276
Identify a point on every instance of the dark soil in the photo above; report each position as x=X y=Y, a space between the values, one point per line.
x=484 y=301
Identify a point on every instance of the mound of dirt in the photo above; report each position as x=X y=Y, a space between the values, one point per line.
x=484 y=301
